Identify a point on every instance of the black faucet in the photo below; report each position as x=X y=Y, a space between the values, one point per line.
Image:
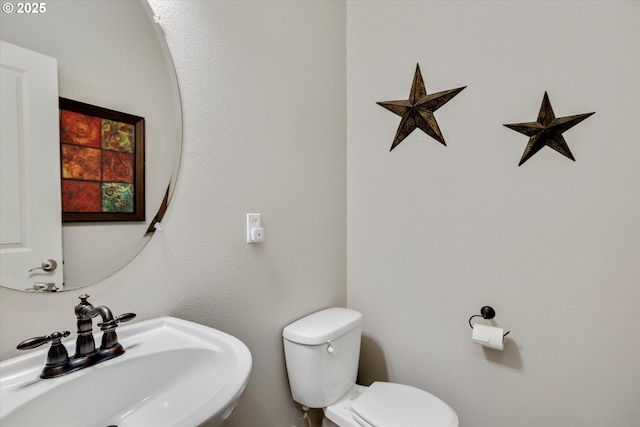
x=58 y=361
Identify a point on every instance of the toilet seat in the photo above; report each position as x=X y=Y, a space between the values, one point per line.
x=392 y=405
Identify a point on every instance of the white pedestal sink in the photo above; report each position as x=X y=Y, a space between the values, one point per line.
x=173 y=373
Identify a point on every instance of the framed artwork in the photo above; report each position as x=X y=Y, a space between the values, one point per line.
x=102 y=164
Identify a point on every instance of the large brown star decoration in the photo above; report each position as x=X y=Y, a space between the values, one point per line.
x=547 y=131
x=417 y=111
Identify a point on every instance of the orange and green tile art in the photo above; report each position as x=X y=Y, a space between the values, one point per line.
x=98 y=164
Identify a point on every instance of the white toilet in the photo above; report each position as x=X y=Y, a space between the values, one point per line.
x=322 y=352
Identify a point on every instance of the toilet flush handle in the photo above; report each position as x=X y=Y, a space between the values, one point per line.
x=330 y=348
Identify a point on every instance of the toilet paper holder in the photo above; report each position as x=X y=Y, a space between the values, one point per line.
x=486 y=312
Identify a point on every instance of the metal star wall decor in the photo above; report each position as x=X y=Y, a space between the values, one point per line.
x=547 y=131
x=417 y=111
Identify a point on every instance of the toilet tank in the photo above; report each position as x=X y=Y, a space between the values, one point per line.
x=322 y=351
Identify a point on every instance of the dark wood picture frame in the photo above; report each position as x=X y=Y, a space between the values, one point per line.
x=102 y=164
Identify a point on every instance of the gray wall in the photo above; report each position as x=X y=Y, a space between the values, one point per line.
x=435 y=232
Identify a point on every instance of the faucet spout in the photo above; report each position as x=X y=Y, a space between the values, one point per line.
x=103 y=311
x=86 y=310
x=107 y=326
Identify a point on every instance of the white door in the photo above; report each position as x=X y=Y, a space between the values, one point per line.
x=30 y=208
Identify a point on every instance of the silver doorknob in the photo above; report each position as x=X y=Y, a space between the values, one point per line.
x=47 y=265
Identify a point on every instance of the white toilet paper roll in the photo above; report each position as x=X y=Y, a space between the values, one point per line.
x=488 y=336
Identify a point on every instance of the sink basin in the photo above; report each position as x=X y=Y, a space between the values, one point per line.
x=173 y=373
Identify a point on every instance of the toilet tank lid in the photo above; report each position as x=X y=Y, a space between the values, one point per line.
x=322 y=326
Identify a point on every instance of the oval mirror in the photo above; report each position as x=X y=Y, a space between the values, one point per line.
x=110 y=54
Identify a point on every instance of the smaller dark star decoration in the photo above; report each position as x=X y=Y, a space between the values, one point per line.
x=417 y=111
x=547 y=131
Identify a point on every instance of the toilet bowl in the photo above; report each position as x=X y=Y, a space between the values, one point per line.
x=322 y=352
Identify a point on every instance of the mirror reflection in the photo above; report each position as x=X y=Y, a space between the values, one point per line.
x=109 y=54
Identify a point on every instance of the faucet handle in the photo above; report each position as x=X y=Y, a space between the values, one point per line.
x=122 y=318
x=125 y=317
x=38 y=341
